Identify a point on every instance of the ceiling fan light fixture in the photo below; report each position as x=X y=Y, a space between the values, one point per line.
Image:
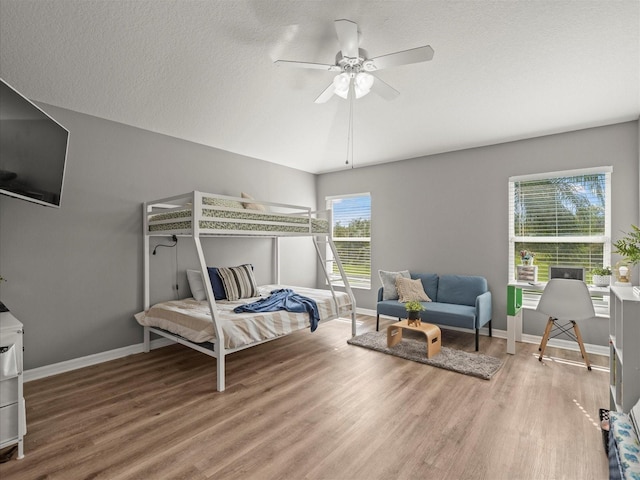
x=362 y=84
x=360 y=92
x=364 y=81
x=343 y=94
x=341 y=84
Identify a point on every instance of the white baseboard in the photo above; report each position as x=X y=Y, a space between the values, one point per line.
x=557 y=342
x=366 y=311
x=74 y=364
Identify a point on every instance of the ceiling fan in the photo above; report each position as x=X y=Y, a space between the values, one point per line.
x=356 y=68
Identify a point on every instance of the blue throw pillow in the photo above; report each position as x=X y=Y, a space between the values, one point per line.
x=627 y=443
x=216 y=284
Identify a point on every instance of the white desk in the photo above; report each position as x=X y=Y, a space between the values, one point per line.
x=514 y=308
x=539 y=287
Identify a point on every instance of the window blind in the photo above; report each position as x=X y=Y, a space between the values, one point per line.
x=351 y=234
x=564 y=218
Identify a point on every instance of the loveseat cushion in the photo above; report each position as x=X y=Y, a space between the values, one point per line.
x=429 y=282
x=462 y=316
x=460 y=289
x=393 y=308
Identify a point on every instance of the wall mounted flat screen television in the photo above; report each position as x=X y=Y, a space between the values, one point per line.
x=33 y=150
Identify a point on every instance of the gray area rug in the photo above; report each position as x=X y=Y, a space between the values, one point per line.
x=474 y=364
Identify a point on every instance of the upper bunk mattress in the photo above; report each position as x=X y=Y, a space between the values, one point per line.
x=191 y=319
x=222 y=215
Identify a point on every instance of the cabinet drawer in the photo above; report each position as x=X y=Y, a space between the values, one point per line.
x=8 y=423
x=8 y=391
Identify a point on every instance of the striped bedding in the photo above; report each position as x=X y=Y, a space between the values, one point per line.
x=191 y=319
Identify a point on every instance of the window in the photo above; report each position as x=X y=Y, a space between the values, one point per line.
x=351 y=234
x=564 y=218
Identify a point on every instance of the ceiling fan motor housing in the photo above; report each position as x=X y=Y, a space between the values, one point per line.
x=353 y=66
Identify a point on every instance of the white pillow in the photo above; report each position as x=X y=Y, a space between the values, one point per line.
x=221 y=202
x=388 y=279
x=196 y=285
x=251 y=205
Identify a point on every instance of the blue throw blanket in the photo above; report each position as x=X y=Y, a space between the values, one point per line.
x=284 y=299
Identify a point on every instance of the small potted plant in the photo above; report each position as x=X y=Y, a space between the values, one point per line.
x=413 y=310
x=629 y=247
x=601 y=276
x=526 y=257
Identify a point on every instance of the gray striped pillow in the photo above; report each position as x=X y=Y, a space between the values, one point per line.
x=238 y=282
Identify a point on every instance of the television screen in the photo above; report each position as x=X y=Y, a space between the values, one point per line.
x=33 y=150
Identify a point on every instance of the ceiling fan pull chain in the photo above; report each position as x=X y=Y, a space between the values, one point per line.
x=351 y=121
x=346 y=162
x=350 y=127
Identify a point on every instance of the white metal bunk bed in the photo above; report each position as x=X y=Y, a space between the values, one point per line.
x=200 y=215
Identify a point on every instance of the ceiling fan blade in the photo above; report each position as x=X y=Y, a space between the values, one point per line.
x=383 y=89
x=326 y=95
x=316 y=66
x=406 y=57
x=347 y=37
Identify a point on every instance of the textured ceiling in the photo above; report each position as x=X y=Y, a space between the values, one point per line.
x=203 y=71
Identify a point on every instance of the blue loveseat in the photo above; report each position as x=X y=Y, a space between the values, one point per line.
x=457 y=301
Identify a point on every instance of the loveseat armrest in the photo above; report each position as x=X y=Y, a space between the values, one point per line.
x=483 y=309
x=380 y=290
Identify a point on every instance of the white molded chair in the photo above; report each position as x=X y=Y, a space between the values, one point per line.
x=565 y=301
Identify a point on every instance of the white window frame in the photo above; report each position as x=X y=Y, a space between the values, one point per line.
x=531 y=297
x=354 y=282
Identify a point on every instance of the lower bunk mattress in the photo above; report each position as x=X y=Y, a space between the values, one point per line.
x=191 y=319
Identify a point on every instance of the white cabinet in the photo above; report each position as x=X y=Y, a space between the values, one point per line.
x=624 y=345
x=12 y=407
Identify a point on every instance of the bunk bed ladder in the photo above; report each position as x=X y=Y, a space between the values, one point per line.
x=218 y=344
x=324 y=262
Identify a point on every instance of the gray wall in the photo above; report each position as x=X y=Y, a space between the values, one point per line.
x=447 y=213
x=75 y=273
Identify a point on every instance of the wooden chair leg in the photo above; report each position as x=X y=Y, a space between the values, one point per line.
x=582 y=350
x=377 y=322
x=545 y=337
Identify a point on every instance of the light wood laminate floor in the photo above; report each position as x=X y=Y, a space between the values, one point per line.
x=310 y=406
